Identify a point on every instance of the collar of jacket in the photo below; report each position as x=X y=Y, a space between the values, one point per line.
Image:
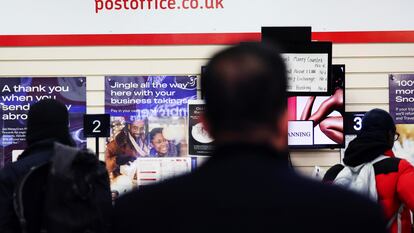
x=255 y=151
x=365 y=148
x=38 y=146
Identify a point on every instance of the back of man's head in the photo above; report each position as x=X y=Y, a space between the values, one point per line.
x=48 y=119
x=245 y=89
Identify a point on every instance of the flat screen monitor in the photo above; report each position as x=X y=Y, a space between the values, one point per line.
x=318 y=121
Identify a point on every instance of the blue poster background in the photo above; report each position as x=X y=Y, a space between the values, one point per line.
x=148 y=119
x=150 y=102
x=21 y=93
x=401 y=93
x=150 y=96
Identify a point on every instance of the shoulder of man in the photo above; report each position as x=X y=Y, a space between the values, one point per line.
x=147 y=204
x=352 y=211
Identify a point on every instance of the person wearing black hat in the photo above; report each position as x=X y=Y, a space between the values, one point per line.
x=372 y=169
x=48 y=122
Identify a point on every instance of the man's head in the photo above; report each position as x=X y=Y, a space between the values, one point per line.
x=137 y=129
x=380 y=122
x=245 y=91
x=48 y=119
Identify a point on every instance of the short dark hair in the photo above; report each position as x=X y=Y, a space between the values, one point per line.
x=154 y=132
x=245 y=87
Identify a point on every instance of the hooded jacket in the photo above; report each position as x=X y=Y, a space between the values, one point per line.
x=394 y=177
x=35 y=155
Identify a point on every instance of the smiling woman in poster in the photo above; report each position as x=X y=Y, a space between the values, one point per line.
x=161 y=147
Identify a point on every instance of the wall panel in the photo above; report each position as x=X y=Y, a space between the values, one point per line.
x=367 y=67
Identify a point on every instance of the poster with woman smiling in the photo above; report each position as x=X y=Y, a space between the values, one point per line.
x=149 y=122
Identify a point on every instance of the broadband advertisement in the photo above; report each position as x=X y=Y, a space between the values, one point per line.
x=18 y=94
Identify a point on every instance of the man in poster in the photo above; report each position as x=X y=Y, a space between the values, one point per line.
x=148 y=115
x=128 y=144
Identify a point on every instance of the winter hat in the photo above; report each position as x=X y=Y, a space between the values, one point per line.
x=48 y=119
x=377 y=120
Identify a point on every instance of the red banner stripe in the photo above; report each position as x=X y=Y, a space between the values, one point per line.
x=194 y=38
x=366 y=37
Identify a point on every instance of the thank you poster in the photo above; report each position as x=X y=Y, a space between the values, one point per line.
x=401 y=94
x=18 y=94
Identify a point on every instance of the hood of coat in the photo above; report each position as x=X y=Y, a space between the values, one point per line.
x=366 y=147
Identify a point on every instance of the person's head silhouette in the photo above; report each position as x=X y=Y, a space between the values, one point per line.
x=245 y=91
x=48 y=120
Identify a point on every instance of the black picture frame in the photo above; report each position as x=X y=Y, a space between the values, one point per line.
x=318 y=47
x=337 y=80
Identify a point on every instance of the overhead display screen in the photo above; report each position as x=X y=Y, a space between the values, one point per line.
x=318 y=121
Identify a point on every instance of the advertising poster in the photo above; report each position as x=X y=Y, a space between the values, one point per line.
x=18 y=94
x=401 y=94
x=317 y=121
x=148 y=120
x=199 y=141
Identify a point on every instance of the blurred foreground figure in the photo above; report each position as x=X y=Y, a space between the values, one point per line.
x=372 y=170
x=247 y=185
x=53 y=187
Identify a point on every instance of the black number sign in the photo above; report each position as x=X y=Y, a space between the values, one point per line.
x=96 y=125
x=353 y=122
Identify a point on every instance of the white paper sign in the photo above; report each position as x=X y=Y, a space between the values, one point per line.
x=307 y=72
x=150 y=170
x=300 y=133
x=16 y=154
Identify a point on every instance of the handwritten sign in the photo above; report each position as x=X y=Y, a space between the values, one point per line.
x=307 y=72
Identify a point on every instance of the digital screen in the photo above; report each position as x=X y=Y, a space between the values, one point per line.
x=318 y=121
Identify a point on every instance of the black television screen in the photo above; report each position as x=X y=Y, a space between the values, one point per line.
x=318 y=121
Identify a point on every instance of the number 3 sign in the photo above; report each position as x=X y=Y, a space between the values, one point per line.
x=96 y=125
x=353 y=122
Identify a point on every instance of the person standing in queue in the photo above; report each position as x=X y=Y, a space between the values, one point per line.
x=247 y=184
x=372 y=169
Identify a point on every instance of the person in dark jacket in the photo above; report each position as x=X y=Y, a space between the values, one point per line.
x=47 y=123
x=394 y=177
x=247 y=184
